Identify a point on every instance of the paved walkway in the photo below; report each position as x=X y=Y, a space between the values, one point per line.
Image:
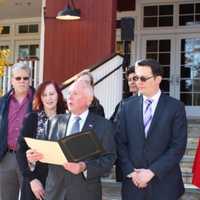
x=111 y=191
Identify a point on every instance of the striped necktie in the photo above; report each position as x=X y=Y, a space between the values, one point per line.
x=148 y=115
x=76 y=125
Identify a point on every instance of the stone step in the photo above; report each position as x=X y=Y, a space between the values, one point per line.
x=193 y=130
x=111 y=191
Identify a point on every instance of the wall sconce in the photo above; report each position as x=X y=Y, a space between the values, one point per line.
x=69 y=12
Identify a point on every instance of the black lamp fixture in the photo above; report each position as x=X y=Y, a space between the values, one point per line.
x=69 y=12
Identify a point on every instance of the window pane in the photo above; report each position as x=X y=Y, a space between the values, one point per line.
x=33 y=28
x=197 y=19
x=164 y=58
x=185 y=58
x=150 y=22
x=33 y=49
x=186 y=9
x=183 y=45
x=152 y=55
x=152 y=46
x=196 y=85
x=23 y=29
x=150 y=10
x=196 y=100
x=186 y=72
x=4 y=47
x=166 y=21
x=186 y=98
x=164 y=46
x=164 y=86
x=6 y=30
x=186 y=20
x=23 y=51
x=186 y=85
x=197 y=8
x=166 y=10
x=166 y=72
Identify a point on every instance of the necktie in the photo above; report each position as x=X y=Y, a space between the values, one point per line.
x=76 y=126
x=147 y=115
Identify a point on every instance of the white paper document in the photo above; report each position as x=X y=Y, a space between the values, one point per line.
x=51 y=150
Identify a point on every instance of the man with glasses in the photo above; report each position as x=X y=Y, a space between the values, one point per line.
x=151 y=139
x=13 y=107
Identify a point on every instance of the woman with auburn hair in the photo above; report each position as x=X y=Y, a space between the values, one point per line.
x=48 y=101
x=196 y=168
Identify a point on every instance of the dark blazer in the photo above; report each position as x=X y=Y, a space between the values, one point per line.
x=160 y=152
x=62 y=184
x=29 y=130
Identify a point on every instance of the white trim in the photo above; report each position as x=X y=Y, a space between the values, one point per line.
x=42 y=43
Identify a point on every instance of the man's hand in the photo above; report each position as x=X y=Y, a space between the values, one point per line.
x=143 y=176
x=37 y=189
x=33 y=156
x=75 y=168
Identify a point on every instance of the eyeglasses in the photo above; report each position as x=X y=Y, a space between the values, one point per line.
x=134 y=78
x=142 y=78
x=18 y=78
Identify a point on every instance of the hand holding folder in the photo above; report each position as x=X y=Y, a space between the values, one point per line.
x=73 y=148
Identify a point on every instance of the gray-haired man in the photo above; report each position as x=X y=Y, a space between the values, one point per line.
x=13 y=107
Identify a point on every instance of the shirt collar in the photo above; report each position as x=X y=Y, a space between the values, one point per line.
x=29 y=94
x=155 y=98
x=83 y=115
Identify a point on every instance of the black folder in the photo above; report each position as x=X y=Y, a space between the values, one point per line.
x=81 y=146
x=74 y=148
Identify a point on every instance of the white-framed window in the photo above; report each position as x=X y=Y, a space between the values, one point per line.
x=189 y=14
x=158 y=15
x=32 y=28
x=4 y=30
x=172 y=14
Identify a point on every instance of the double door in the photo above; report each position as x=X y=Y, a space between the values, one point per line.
x=180 y=58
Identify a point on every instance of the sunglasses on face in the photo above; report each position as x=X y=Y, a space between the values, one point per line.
x=18 y=78
x=142 y=78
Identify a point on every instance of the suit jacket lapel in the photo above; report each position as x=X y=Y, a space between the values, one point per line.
x=89 y=123
x=66 y=125
x=158 y=113
x=140 y=116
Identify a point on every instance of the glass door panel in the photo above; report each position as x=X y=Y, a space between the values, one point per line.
x=190 y=71
x=160 y=50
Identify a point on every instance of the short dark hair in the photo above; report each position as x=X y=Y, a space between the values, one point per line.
x=37 y=101
x=130 y=70
x=153 y=64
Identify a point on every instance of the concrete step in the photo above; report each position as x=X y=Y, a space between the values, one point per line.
x=111 y=191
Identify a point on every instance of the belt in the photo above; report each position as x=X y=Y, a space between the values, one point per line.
x=11 y=150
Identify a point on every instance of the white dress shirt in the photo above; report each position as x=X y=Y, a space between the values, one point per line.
x=73 y=117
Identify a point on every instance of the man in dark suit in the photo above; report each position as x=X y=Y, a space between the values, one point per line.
x=151 y=140
x=78 y=181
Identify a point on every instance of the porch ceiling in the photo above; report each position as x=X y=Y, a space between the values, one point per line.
x=11 y=9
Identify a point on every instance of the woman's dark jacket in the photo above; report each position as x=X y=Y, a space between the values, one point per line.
x=29 y=129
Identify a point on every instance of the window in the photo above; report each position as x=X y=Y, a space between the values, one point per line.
x=160 y=51
x=28 y=50
x=158 y=16
x=5 y=30
x=120 y=47
x=4 y=47
x=30 y=28
x=189 y=14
